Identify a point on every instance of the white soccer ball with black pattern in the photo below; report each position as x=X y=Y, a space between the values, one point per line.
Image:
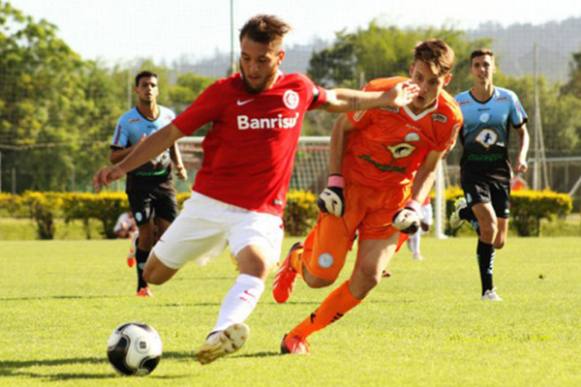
x=134 y=349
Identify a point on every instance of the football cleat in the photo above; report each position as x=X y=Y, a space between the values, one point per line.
x=222 y=343
x=455 y=221
x=285 y=277
x=294 y=345
x=490 y=295
x=144 y=292
x=132 y=249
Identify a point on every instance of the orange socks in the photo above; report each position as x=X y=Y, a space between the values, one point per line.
x=339 y=302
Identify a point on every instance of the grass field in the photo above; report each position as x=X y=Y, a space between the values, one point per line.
x=426 y=325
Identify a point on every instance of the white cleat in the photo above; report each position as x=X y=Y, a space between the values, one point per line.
x=490 y=295
x=455 y=221
x=223 y=343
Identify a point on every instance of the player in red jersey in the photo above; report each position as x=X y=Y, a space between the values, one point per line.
x=382 y=166
x=240 y=192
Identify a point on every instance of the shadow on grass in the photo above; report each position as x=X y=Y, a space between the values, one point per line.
x=258 y=354
x=72 y=297
x=14 y=368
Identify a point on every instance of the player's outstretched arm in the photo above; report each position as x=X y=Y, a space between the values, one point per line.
x=346 y=100
x=147 y=149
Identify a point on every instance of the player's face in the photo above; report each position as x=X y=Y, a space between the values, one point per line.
x=431 y=85
x=147 y=90
x=259 y=63
x=482 y=69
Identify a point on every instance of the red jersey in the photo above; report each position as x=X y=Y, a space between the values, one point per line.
x=249 y=151
x=388 y=145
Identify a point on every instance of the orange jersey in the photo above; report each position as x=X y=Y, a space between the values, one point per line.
x=388 y=145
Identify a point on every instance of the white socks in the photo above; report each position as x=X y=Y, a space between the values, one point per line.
x=240 y=301
x=414 y=242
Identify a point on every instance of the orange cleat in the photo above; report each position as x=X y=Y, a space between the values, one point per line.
x=130 y=261
x=294 y=345
x=285 y=277
x=144 y=292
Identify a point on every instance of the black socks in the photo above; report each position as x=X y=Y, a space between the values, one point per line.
x=141 y=258
x=485 y=254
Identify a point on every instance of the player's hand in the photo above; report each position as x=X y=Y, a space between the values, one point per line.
x=106 y=175
x=521 y=166
x=181 y=172
x=331 y=200
x=407 y=220
x=403 y=93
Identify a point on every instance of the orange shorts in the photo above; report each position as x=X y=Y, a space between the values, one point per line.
x=368 y=214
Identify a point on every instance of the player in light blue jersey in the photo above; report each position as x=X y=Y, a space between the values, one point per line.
x=149 y=187
x=489 y=113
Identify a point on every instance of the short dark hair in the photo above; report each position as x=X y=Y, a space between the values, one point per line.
x=264 y=29
x=144 y=74
x=481 y=52
x=436 y=54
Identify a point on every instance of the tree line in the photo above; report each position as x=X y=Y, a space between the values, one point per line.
x=58 y=111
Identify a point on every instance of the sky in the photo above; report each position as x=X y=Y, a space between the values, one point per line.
x=166 y=30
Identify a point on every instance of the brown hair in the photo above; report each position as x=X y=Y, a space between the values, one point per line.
x=481 y=52
x=436 y=54
x=264 y=29
x=144 y=74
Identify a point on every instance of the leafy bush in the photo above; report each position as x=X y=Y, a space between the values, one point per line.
x=300 y=213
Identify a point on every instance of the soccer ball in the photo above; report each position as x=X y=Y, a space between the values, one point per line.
x=134 y=349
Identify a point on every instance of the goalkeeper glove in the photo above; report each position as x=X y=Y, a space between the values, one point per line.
x=407 y=220
x=331 y=199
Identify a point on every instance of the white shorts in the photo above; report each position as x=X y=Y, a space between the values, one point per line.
x=205 y=225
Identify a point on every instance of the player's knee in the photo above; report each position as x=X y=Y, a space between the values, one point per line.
x=499 y=244
x=488 y=230
x=316 y=282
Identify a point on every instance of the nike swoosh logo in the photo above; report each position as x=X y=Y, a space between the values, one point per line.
x=244 y=102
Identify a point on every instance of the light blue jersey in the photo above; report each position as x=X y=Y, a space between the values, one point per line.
x=485 y=133
x=131 y=127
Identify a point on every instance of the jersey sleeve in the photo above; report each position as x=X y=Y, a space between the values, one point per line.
x=518 y=116
x=120 y=135
x=206 y=108
x=447 y=139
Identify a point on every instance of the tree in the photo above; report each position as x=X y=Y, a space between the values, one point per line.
x=573 y=87
x=54 y=106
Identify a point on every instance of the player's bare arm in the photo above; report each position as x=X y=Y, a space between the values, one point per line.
x=146 y=150
x=424 y=179
x=119 y=154
x=346 y=100
x=337 y=143
x=176 y=158
x=524 y=140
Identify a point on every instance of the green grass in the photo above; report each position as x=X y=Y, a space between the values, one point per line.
x=60 y=300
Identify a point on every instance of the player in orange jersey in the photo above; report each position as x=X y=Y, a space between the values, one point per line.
x=382 y=167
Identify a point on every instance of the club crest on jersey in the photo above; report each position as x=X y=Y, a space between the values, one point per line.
x=484 y=117
x=487 y=137
x=290 y=99
x=401 y=150
x=439 y=118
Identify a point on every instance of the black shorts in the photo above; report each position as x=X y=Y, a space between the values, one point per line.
x=488 y=191
x=158 y=202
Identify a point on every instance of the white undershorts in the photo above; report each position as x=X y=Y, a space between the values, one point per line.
x=204 y=227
